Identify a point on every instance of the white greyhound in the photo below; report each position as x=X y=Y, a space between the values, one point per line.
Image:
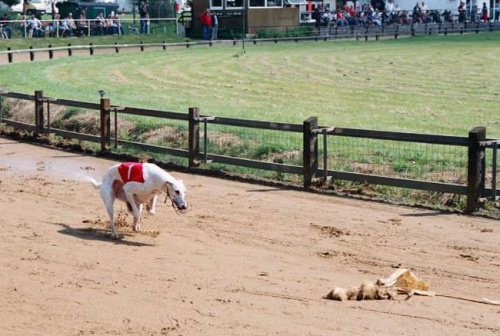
x=137 y=184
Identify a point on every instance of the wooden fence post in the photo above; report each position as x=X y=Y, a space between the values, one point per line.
x=194 y=137
x=9 y=55
x=476 y=168
x=310 y=150
x=39 y=113
x=105 y=124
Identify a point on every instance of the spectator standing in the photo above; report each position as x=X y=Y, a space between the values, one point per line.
x=473 y=13
x=318 y=12
x=461 y=13
x=424 y=7
x=143 y=12
x=118 y=23
x=416 y=13
x=424 y=14
x=485 y=12
x=4 y=24
x=23 y=26
x=215 y=26
x=206 y=22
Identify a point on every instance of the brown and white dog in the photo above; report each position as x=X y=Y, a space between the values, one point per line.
x=137 y=184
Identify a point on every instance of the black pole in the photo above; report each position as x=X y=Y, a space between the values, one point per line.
x=244 y=23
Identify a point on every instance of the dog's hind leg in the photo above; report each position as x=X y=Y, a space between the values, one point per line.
x=108 y=196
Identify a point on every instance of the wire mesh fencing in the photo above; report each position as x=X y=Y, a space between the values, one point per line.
x=72 y=119
x=150 y=130
x=263 y=145
x=17 y=110
x=400 y=159
x=425 y=168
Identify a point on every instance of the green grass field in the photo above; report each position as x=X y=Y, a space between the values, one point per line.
x=444 y=85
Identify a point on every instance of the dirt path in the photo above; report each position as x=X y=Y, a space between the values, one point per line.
x=246 y=260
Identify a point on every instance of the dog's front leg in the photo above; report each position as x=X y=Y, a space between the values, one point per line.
x=137 y=224
x=135 y=207
x=152 y=205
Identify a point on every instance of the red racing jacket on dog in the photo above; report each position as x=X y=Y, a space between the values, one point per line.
x=131 y=172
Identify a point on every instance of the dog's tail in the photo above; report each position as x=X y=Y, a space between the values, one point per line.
x=96 y=184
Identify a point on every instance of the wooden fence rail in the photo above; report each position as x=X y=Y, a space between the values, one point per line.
x=476 y=142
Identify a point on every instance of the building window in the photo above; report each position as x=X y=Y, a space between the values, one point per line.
x=257 y=3
x=232 y=4
x=266 y=3
x=215 y=4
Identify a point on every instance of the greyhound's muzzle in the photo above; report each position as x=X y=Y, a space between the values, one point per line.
x=179 y=204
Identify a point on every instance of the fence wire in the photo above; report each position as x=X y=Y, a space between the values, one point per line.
x=151 y=130
x=74 y=119
x=254 y=144
x=18 y=110
x=492 y=178
x=418 y=161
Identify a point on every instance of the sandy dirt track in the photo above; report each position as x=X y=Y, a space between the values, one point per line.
x=245 y=260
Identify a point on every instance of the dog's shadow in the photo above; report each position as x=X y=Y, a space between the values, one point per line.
x=91 y=233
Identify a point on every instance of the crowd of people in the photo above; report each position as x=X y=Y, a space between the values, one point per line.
x=33 y=27
x=384 y=12
x=389 y=13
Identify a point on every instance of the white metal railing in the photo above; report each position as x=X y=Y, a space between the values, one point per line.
x=85 y=27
